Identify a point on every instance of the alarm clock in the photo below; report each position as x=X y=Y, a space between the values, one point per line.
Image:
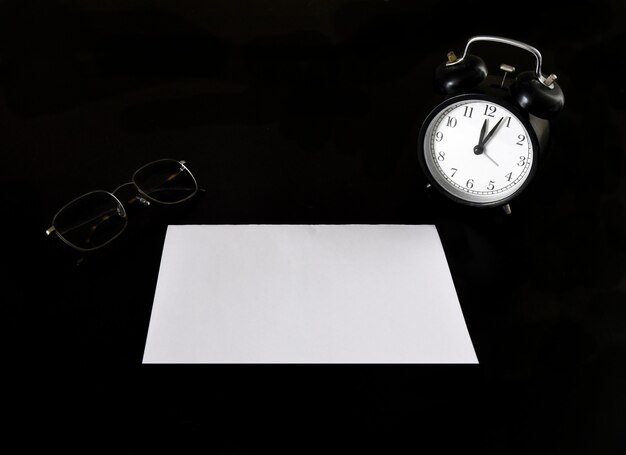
x=482 y=145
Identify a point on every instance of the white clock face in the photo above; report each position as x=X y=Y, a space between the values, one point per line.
x=478 y=151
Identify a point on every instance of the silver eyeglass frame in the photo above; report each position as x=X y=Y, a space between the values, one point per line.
x=142 y=197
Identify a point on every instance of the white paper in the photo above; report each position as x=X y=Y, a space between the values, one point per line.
x=306 y=294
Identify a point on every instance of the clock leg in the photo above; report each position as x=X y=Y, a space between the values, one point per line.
x=507 y=209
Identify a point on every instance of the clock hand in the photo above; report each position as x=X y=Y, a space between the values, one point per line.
x=490 y=134
x=490 y=159
x=482 y=132
x=478 y=149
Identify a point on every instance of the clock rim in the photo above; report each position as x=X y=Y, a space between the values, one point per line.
x=521 y=115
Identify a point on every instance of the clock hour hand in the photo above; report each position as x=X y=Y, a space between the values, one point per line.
x=491 y=133
x=480 y=148
x=483 y=130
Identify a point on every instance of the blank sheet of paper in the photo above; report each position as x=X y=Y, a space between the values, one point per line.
x=306 y=294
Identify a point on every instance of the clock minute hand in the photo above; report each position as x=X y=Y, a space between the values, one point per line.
x=490 y=134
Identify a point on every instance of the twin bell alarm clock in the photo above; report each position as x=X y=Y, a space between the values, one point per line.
x=482 y=145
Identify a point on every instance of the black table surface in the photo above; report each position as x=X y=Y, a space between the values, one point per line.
x=307 y=112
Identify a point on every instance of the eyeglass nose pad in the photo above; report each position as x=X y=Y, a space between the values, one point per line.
x=143 y=200
x=120 y=211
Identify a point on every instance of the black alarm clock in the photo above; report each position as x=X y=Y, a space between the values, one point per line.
x=482 y=145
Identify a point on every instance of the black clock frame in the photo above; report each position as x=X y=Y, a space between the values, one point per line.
x=523 y=117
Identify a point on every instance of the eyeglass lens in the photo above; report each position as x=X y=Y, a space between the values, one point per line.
x=165 y=181
x=91 y=221
x=96 y=218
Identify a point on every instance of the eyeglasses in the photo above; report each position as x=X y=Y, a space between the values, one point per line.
x=96 y=218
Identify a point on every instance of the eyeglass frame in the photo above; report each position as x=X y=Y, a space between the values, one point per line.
x=143 y=198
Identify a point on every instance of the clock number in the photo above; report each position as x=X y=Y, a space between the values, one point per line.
x=508 y=122
x=468 y=112
x=454 y=171
x=442 y=156
x=439 y=136
x=491 y=185
x=522 y=161
x=521 y=138
x=509 y=176
x=470 y=183
x=452 y=121
x=489 y=110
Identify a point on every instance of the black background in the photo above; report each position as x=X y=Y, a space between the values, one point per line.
x=307 y=112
